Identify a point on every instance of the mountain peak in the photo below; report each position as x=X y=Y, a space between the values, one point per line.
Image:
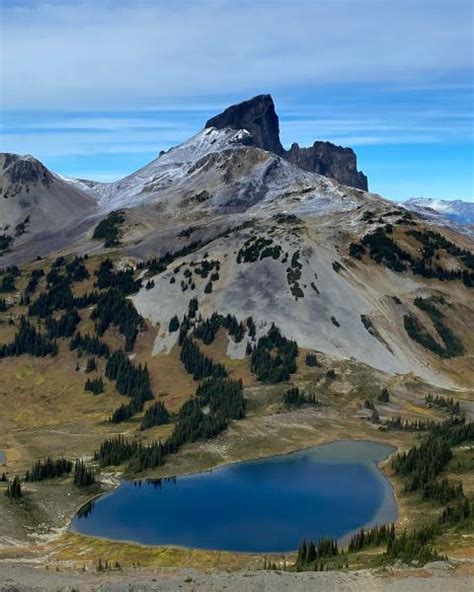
x=19 y=170
x=256 y=115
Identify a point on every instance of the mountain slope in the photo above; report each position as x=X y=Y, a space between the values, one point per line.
x=37 y=203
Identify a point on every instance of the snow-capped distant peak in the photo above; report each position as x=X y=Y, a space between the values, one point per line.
x=459 y=211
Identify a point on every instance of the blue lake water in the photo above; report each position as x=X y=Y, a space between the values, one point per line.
x=2 y=457
x=266 y=505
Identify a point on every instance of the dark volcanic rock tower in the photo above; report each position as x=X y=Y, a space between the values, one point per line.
x=258 y=117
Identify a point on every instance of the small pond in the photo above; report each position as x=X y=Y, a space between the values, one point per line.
x=266 y=505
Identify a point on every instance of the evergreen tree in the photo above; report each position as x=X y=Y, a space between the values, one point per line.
x=13 y=489
x=174 y=324
x=157 y=414
x=83 y=476
x=91 y=365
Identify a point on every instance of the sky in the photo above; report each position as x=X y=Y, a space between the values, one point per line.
x=96 y=88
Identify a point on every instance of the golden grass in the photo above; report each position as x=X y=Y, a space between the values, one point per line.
x=81 y=550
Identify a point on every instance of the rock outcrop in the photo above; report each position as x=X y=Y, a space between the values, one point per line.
x=258 y=117
x=19 y=171
x=329 y=160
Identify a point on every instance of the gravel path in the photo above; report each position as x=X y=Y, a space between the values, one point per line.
x=24 y=578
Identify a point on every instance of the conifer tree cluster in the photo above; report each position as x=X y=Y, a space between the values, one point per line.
x=224 y=399
x=293 y=397
x=197 y=364
x=130 y=380
x=94 y=385
x=310 y=551
x=64 y=326
x=86 y=344
x=76 y=269
x=274 y=357
x=7 y=279
x=223 y=396
x=452 y=345
x=423 y=463
x=417 y=425
x=108 y=229
x=373 y=537
x=385 y=250
x=159 y=264
x=48 y=469
x=28 y=340
x=443 y=491
x=57 y=296
x=206 y=330
x=115 y=451
x=122 y=280
x=451 y=406
x=139 y=457
x=155 y=415
x=33 y=282
x=257 y=248
x=83 y=476
x=413 y=546
x=114 y=309
x=458 y=512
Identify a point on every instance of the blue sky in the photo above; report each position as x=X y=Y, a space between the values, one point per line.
x=97 y=89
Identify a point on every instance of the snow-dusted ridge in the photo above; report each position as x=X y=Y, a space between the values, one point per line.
x=167 y=169
x=233 y=175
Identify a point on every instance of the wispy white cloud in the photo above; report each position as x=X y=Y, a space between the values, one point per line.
x=100 y=53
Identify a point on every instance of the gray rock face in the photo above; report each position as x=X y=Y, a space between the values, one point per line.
x=258 y=117
x=329 y=160
x=19 y=171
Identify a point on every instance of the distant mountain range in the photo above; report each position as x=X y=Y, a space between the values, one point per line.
x=461 y=212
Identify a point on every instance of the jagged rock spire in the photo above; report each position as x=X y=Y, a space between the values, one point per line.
x=258 y=116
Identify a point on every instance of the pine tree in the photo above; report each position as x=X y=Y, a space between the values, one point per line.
x=91 y=365
x=13 y=489
x=83 y=477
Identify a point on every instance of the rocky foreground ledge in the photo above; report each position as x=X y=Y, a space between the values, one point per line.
x=436 y=577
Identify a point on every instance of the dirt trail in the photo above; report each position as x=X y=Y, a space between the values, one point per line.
x=437 y=578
